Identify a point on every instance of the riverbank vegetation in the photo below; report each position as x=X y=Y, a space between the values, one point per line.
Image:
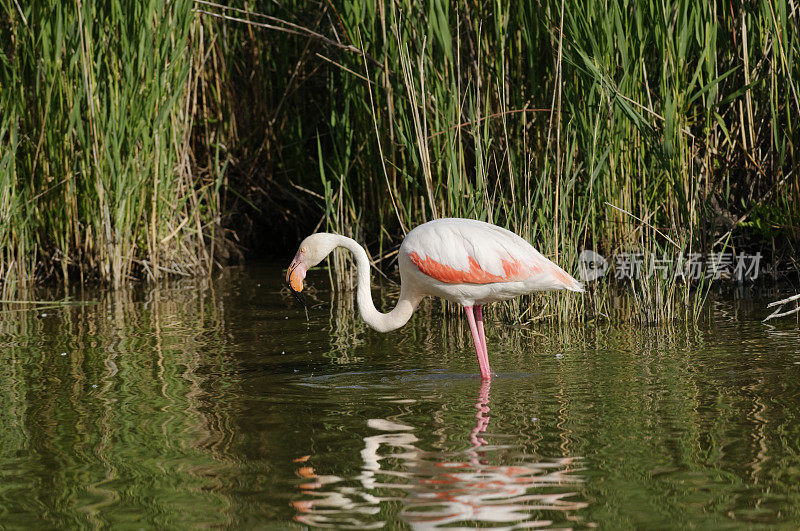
x=142 y=141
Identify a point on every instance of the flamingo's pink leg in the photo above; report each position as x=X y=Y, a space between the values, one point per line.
x=479 y=322
x=483 y=361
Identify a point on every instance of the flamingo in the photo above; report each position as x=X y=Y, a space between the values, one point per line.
x=465 y=261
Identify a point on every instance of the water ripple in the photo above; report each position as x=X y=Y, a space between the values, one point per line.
x=438 y=490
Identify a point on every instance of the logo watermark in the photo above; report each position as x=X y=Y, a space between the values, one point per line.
x=591 y=265
x=685 y=266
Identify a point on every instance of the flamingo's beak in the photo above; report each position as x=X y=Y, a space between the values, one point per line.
x=295 y=275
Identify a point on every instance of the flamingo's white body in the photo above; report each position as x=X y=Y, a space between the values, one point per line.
x=461 y=260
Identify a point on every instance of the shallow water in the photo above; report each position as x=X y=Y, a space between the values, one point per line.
x=218 y=404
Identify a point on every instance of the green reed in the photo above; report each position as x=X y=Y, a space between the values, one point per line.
x=683 y=116
x=99 y=175
x=132 y=136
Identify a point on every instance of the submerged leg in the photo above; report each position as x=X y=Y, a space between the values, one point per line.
x=483 y=360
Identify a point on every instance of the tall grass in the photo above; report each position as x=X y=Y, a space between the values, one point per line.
x=539 y=116
x=132 y=135
x=99 y=171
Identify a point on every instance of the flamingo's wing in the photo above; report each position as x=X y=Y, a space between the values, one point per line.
x=459 y=251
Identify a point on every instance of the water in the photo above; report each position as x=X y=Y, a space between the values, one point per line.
x=218 y=404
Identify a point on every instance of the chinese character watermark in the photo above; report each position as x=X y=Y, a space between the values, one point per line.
x=685 y=266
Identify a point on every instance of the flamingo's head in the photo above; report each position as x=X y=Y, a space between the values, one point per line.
x=312 y=251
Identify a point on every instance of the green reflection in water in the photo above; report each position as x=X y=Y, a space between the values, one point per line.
x=106 y=416
x=218 y=404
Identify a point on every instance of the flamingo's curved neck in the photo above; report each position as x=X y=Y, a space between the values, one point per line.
x=382 y=322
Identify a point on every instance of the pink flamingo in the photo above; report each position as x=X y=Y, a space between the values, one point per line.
x=465 y=261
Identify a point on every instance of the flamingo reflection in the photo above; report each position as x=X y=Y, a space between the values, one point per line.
x=482 y=416
x=436 y=490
